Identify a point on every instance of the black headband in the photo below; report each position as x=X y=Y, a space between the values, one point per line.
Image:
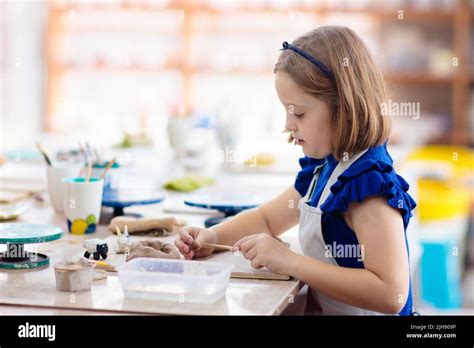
x=321 y=66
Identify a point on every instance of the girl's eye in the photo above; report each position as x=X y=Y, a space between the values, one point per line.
x=299 y=115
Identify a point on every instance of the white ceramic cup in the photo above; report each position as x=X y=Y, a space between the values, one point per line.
x=178 y=132
x=82 y=203
x=55 y=187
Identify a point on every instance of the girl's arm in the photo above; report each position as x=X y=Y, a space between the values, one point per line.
x=383 y=285
x=273 y=217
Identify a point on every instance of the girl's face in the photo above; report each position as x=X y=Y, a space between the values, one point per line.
x=307 y=117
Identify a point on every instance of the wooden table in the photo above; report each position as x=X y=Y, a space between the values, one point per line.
x=33 y=291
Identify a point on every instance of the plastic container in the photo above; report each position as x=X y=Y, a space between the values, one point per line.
x=182 y=281
x=444 y=199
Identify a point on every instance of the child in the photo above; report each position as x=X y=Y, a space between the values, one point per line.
x=350 y=197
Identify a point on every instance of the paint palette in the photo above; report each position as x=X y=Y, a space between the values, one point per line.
x=122 y=198
x=15 y=236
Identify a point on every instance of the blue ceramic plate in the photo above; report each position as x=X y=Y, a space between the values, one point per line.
x=230 y=203
x=127 y=197
x=28 y=233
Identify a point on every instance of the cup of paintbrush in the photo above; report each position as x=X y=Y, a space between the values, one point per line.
x=82 y=202
x=54 y=175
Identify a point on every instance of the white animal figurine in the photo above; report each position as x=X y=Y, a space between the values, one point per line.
x=97 y=247
x=123 y=241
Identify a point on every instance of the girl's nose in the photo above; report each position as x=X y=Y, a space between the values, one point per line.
x=290 y=126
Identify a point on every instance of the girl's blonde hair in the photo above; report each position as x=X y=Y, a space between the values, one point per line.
x=355 y=96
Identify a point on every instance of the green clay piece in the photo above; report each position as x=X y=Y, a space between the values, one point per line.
x=188 y=183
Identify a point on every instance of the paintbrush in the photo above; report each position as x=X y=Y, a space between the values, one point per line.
x=83 y=151
x=109 y=165
x=216 y=246
x=89 y=151
x=43 y=152
x=98 y=157
x=93 y=153
x=89 y=171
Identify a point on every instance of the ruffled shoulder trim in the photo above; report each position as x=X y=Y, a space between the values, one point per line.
x=370 y=177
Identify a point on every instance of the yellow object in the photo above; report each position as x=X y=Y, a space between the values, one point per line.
x=459 y=160
x=260 y=159
x=448 y=195
x=103 y=265
x=439 y=200
x=79 y=226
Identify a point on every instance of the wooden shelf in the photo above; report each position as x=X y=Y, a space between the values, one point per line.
x=408 y=13
x=455 y=137
x=417 y=15
x=65 y=7
x=142 y=30
x=398 y=77
x=193 y=70
x=418 y=78
x=61 y=69
x=460 y=18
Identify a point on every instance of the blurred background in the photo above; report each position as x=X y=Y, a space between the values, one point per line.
x=187 y=87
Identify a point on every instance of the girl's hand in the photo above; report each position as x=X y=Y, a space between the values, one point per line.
x=265 y=251
x=189 y=241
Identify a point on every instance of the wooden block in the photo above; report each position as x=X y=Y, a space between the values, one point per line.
x=243 y=269
x=264 y=275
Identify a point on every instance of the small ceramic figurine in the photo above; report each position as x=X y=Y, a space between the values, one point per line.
x=123 y=241
x=97 y=247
